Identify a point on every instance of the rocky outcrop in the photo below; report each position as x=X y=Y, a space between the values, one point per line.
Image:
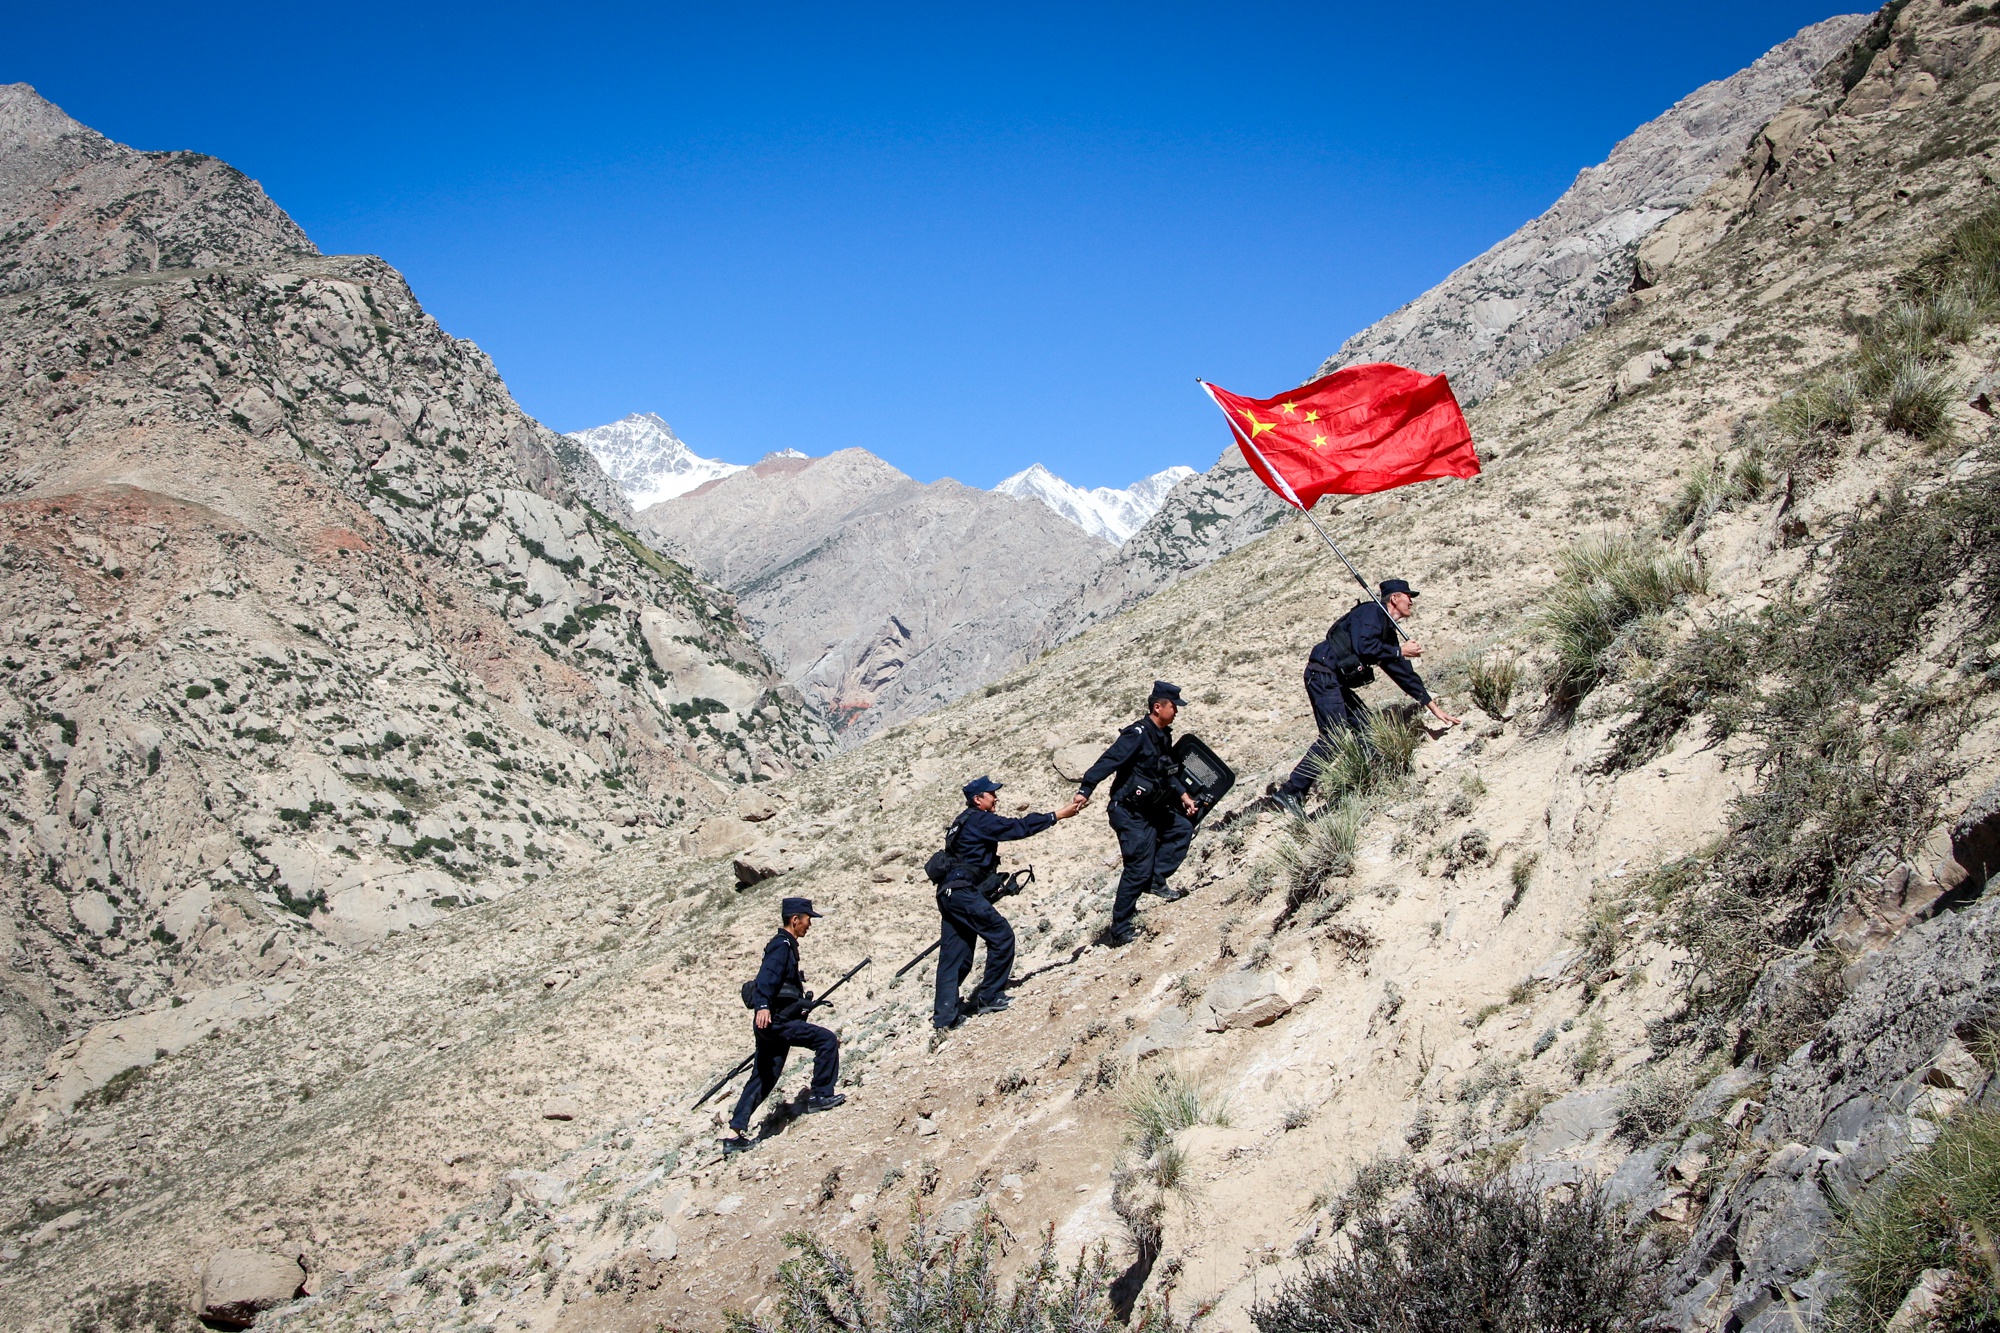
x=879 y=596
x=75 y=206
x=310 y=635
x=1526 y=297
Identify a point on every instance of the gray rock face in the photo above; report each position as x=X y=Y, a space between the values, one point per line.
x=311 y=635
x=77 y=206
x=1555 y=277
x=1521 y=300
x=880 y=597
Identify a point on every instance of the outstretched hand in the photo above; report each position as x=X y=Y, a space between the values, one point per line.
x=1440 y=714
x=1076 y=803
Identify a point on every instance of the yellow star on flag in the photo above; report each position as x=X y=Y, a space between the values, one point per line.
x=1258 y=427
x=1288 y=408
x=1319 y=441
x=1312 y=416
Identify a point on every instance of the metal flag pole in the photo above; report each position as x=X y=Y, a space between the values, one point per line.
x=1292 y=497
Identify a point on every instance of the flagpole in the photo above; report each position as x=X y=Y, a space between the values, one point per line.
x=1293 y=497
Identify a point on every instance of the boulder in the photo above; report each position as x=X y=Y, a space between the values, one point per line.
x=1638 y=372
x=543 y=1187
x=662 y=1244
x=755 y=869
x=1244 y=1000
x=1071 y=761
x=561 y=1108
x=238 y=1285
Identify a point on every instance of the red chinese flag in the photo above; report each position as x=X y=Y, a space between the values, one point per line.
x=1359 y=430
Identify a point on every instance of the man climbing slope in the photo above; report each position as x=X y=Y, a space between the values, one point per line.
x=779 y=990
x=1342 y=663
x=1150 y=809
x=966 y=914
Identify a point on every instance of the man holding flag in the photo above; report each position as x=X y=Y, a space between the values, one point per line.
x=1359 y=430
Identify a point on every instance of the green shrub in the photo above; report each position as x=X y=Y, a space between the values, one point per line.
x=1492 y=684
x=1656 y=1099
x=1379 y=753
x=1941 y=1209
x=1916 y=400
x=1701 y=676
x=1158 y=1107
x=928 y=1287
x=1603 y=585
x=1316 y=851
x=1464 y=1257
x=1810 y=421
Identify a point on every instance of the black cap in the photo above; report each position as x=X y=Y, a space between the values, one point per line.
x=1390 y=587
x=792 y=907
x=1164 y=690
x=978 y=786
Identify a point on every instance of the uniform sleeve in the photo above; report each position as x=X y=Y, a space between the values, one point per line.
x=1110 y=761
x=1376 y=643
x=764 y=990
x=999 y=828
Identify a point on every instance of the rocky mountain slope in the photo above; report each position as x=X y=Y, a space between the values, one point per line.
x=879 y=596
x=1104 y=511
x=1521 y=300
x=310 y=635
x=1774 y=713
x=646 y=461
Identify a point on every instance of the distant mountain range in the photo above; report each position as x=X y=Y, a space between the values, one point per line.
x=647 y=461
x=649 y=464
x=1111 y=514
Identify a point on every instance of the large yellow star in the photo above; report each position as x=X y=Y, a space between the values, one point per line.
x=1288 y=408
x=1258 y=427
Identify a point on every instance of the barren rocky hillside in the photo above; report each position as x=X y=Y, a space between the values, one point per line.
x=309 y=634
x=1691 y=911
x=879 y=596
x=1523 y=299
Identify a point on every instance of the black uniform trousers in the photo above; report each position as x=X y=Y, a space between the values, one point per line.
x=1335 y=709
x=966 y=917
x=774 y=1043
x=1154 y=843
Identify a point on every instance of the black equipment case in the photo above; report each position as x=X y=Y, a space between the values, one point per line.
x=1203 y=773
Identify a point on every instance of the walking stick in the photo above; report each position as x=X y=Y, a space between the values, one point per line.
x=1012 y=882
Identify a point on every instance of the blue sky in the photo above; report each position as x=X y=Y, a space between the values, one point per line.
x=966 y=238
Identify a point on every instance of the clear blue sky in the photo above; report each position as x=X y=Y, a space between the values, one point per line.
x=967 y=238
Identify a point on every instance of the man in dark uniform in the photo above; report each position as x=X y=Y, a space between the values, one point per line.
x=778 y=991
x=1150 y=808
x=968 y=915
x=1344 y=661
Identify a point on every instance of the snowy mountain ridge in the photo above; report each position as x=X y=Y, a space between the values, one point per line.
x=647 y=461
x=1113 y=515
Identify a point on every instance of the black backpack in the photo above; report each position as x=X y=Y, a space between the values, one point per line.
x=943 y=861
x=1347 y=664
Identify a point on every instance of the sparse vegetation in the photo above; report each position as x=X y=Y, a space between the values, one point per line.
x=1940 y=1211
x=1492 y=681
x=928 y=1286
x=1656 y=1099
x=1603 y=586
x=1460 y=1256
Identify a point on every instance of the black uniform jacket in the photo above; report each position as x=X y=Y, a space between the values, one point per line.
x=780 y=971
x=1141 y=756
x=1376 y=644
x=976 y=845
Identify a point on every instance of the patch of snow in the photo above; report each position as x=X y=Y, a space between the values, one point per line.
x=647 y=461
x=1104 y=512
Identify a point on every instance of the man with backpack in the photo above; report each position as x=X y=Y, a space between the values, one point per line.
x=778 y=995
x=967 y=915
x=1343 y=662
x=1150 y=810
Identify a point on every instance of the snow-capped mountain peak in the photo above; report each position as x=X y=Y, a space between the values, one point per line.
x=647 y=461
x=1104 y=512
